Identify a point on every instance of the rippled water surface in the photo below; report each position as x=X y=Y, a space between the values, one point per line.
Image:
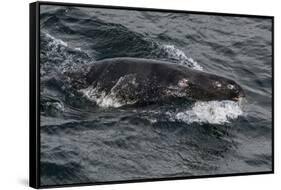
x=97 y=140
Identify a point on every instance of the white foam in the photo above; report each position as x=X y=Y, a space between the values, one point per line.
x=70 y=62
x=213 y=112
x=56 y=41
x=101 y=98
x=110 y=99
x=180 y=56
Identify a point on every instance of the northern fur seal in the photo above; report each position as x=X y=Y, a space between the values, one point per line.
x=135 y=80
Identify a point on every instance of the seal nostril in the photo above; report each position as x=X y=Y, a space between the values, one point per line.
x=241 y=93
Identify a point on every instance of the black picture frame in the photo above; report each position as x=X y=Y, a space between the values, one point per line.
x=34 y=93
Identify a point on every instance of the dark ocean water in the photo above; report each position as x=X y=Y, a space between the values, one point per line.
x=83 y=140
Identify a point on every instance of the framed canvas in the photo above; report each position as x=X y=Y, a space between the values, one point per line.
x=121 y=94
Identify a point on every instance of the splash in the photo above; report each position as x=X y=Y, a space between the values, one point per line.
x=180 y=57
x=111 y=98
x=60 y=55
x=213 y=112
x=56 y=42
x=101 y=98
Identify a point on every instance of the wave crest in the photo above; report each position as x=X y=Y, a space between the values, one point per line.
x=56 y=42
x=180 y=57
x=57 y=54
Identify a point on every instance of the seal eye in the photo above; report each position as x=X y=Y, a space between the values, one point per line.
x=183 y=83
x=230 y=86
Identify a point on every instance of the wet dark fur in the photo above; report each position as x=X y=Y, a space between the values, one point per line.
x=159 y=80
